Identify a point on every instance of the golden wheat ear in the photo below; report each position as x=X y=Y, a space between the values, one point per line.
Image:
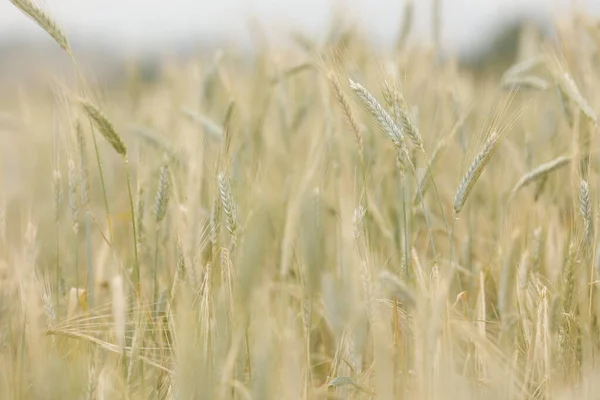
x=474 y=171
x=44 y=21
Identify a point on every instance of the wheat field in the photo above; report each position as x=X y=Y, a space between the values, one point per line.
x=329 y=221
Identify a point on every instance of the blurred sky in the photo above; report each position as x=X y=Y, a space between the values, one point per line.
x=138 y=24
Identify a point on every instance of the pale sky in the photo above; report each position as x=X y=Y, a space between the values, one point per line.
x=141 y=23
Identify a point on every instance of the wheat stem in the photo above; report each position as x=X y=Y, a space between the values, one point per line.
x=538 y=173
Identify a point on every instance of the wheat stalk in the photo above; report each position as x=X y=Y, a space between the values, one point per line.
x=85 y=202
x=110 y=134
x=396 y=135
x=139 y=214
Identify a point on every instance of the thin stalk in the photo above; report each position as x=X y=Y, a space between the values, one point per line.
x=81 y=81
x=77 y=263
x=155 y=271
x=85 y=201
x=308 y=382
x=88 y=256
x=103 y=183
x=437 y=194
x=143 y=379
x=136 y=265
x=404 y=194
x=426 y=216
x=57 y=268
x=396 y=135
x=249 y=359
x=453 y=260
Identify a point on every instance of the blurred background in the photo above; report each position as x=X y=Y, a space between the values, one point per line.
x=104 y=32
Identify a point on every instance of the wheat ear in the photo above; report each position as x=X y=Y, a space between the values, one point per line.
x=110 y=134
x=105 y=127
x=74 y=203
x=398 y=104
x=540 y=171
x=585 y=207
x=568 y=87
x=395 y=134
x=341 y=98
x=475 y=170
x=44 y=21
x=161 y=201
x=392 y=131
x=228 y=203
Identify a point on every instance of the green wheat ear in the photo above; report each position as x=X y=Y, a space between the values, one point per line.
x=104 y=126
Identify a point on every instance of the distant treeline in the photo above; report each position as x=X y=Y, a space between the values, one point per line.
x=506 y=42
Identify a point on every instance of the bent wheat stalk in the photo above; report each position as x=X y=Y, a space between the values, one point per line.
x=396 y=135
x=107 y=130
x=538 y=173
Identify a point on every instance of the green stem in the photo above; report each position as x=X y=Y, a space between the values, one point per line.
x=136 y=266
x=103 y=183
